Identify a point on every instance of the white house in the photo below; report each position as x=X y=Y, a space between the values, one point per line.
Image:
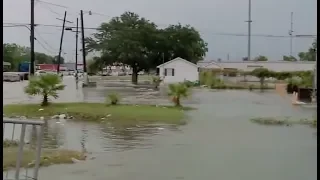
x=178 y=70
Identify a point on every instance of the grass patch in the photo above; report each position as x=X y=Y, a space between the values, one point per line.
x=48 y=157
x=101 y=112
x=283 y=122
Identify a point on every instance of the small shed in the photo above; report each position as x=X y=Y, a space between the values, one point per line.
x=178 y=70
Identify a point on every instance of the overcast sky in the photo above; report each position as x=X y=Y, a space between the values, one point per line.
x=210 y=17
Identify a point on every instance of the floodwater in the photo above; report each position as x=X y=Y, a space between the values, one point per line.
x=219 y=142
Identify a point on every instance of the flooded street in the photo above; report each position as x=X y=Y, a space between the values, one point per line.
x=219 y=142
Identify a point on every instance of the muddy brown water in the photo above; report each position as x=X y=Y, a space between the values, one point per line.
x=219 y=141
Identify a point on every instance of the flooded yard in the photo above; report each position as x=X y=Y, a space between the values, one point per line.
x=219 y=141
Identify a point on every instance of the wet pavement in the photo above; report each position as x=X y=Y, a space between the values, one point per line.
x=219 y=141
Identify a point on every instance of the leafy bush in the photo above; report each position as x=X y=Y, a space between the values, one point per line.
x=113 y=98
x=211 y=80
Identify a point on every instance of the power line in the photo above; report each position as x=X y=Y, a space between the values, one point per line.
x=47 y=7
x=52 y=4
x=45 y=41
x=39 y=42
x=212 y=33
x=66 y=7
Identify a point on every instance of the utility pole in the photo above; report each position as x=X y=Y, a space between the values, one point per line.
x=228 y=56
x=85 y=77
x=291 y=32
x=164 y=74
x=249 y=31
x=77 y=31
x=314 y=93
x=32 y=56
x=61 y=40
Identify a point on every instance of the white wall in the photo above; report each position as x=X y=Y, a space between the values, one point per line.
x=212 y=66
x=182 y=71
x=274 y=66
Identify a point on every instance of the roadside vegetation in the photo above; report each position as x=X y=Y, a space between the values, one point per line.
x=98 y=112
x=267 y=79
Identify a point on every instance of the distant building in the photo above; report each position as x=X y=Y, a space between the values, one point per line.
x=271 y=65
x=72 y=66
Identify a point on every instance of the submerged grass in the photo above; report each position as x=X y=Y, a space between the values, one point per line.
x=98 y=112
x=48 y=156
x=283 y=122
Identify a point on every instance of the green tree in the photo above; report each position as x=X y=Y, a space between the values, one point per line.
x=262 y=74
x=135 y=41
x=182 y=41
x=310 y=55
x=289 y=58
x=42 y=58
x=15 y=54
x=45 y=85
x=178 y=91
x=261 y=58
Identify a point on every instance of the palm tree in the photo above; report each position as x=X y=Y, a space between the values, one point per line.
x=178 y=91
x=45 y=85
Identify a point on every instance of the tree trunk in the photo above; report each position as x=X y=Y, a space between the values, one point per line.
x=134 y=77
x=261 y=83
x=45 y=100
x=178 y=104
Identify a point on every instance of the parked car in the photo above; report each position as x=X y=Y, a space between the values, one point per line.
x=40 y=72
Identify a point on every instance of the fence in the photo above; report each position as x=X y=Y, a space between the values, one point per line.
x=16 y=145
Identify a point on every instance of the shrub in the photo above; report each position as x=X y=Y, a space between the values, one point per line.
x=113 y=98
x=156 y=80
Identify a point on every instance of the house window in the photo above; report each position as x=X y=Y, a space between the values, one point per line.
x=168 y=72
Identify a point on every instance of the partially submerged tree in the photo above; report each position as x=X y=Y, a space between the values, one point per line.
x=156 y=80
x=262 y=74
x=45 y=85
x=310 y=55
x=289 y=58
x=137 y=42
x=178 y=91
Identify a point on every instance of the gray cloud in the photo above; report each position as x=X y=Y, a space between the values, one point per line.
x=209 y=17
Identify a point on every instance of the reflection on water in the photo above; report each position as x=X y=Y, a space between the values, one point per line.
x=219 y=142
